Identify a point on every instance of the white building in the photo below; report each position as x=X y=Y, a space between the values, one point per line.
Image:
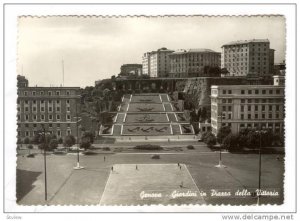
x=249 y=57
x=157 y=63
x=247 y=106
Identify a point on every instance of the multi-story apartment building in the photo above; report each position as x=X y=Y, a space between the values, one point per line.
x=247 y=106
x=146 y=63
x=193 y=62
x=248 y=58
x=157 y=63
x=54 y=108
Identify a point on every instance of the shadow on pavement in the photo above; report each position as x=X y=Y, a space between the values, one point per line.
x=25 y=179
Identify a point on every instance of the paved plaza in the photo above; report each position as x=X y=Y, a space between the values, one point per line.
x=136 y=184
x=97 y=183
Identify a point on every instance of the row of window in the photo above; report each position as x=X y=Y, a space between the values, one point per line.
x=263 y=108
x=42 y=101
x=49 y=93
x=32 y=133
x=255 y=91
x=263 y=116
x=42 y=117
x=42 y=125
x=42 y=109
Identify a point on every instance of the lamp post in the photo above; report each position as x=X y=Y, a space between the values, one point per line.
x=259 y=166
x=220 y=165
x=45 y=159
x=77 y=167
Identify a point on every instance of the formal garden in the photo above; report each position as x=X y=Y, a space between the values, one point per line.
x=146 y=118
x=148 y=129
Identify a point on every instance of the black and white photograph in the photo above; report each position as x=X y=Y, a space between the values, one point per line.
x=151 y=110
x=152 y=118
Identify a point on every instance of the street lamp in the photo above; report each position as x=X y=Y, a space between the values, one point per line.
x=45 y=159
x=220 y=165
x=259 y=165
x=77 y=167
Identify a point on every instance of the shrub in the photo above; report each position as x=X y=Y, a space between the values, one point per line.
x=106 y=148
x=211 y=140
x=148 y=147
x=32 y=155
x=85 y=143
x=60 y=140
x=190 y=147
x=155 y=156
x=69 y=141
x=26 y=140
x=231 y=142
x=89 y=153
x=42 y=146
x=88 y=135
x=222 y=133
x=53 y=144
x=30 y=146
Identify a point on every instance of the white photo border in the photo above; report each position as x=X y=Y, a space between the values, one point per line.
x=12 y=11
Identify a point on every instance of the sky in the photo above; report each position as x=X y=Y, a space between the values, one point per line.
x=94 y=48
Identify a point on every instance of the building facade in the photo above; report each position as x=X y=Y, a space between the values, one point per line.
x=247 y=106
x=157 y=63
x=193 y=62
x=54 y=108
x=131 y=69
x=146 y=63
x=248 y=58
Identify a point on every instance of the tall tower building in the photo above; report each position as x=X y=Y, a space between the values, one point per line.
x=157 y=63
x=248 y=58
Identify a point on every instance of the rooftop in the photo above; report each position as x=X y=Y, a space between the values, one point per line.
x=194 y=50
x=247 y=42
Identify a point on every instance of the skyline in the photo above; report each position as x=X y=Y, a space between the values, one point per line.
x=94 y=48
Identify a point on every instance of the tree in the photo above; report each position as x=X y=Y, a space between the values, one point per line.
x=69 y=141
x=60 y=140
x=85 y=142
x=203 y=114
x=253 y=139
x=88 y=135
x=222 y=133
x=211 y=140
x=26 y=140
x=53 y=144
x=267 y=138
x=231 y=142
x=30 y=147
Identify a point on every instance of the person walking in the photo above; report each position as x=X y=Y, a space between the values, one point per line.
x=112 y=169
x=136 y=167
x=104 y=158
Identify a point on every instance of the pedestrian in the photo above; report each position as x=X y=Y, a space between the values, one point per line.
x=112 y=169
x=136 y=167
x=178 y=164
x=180 y=167
x=104 y=158
x=181 y=185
